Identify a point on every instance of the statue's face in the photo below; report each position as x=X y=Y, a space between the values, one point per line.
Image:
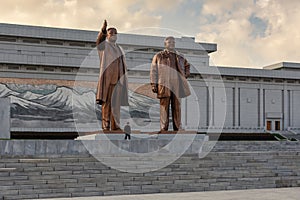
x=170 y=44
x=112 y=35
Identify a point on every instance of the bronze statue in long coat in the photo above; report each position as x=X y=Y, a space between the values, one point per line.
x=112 y=84
x=168 y=74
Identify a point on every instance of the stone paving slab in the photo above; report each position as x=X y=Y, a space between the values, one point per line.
x=255 y=194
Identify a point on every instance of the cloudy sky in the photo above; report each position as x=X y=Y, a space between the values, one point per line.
x=249 y=33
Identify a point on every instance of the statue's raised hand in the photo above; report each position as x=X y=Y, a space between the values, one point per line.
x=104 y=26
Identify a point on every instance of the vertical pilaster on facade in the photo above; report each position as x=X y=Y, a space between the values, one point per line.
x=207 y=106
x=261 y=106
x=264 y=107
x=289 y=107
x=233 y=107
x=285 y=111
x=190 y=112
x=236 y=109
x=210 y=113
x=291 y=110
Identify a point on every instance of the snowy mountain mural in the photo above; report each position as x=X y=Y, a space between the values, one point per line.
x=46 y=106
x=4 y=91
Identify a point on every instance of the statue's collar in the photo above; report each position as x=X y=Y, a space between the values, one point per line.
x=166 y=51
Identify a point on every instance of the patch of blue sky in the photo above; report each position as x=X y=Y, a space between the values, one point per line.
x=259 y=26
x=185 y=18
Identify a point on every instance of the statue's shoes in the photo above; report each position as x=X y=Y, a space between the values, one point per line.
x=117 y=129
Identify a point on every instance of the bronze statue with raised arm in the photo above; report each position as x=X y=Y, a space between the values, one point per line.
x=168 y=74
x=112 y=84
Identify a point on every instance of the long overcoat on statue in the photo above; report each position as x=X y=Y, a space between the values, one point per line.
x=160 y=75
x=108 y=56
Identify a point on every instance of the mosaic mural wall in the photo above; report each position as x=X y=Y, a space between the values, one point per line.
x=36 y=105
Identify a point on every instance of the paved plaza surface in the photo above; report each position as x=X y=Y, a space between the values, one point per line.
x=255 y=194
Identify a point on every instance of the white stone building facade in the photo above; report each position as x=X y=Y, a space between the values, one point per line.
x=254 y=100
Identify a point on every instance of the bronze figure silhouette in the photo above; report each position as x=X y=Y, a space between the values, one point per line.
x=112 y=84
x=168 y=74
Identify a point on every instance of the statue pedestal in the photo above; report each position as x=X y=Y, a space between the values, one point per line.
x=168 y=144
x=137 y=135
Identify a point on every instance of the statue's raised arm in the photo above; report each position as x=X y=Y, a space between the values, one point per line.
x=102 y=33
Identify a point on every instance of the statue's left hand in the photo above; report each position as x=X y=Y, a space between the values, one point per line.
x=154 y=89
x=187 y=74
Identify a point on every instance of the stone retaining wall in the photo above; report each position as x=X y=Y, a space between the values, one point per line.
x=44 y=169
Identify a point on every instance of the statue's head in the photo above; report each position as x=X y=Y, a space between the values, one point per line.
x=112 y=34
x=170 y=43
